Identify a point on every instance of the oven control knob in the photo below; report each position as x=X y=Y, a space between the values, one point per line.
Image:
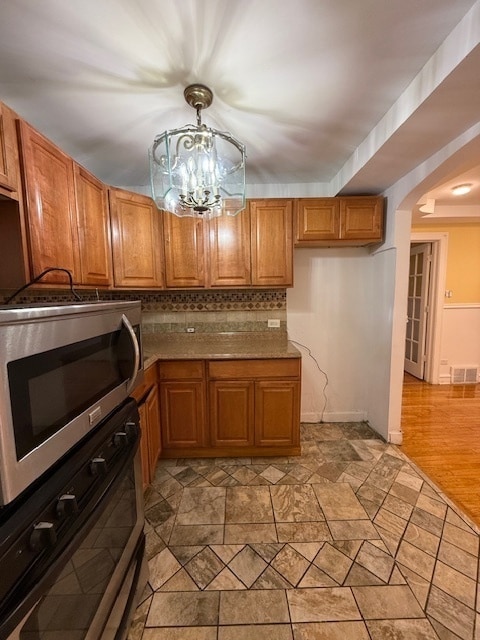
x=98 y=466
x=130 y=429
x=66 y=505
x=120 y=439
x=42 y=536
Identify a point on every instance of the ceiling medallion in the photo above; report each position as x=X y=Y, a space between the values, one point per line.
x=196 y=170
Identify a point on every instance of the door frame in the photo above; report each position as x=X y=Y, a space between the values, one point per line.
x=417 y=368
x=438 y=275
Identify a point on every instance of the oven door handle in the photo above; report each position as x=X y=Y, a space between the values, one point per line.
x=136 y=351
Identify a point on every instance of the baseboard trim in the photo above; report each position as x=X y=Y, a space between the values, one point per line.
x=395 y=437
x=334 y=416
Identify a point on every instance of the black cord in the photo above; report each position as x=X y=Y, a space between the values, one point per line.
x=39 y=277
x=324 y=390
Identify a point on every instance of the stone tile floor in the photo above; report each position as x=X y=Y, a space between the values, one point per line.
x=348 y=541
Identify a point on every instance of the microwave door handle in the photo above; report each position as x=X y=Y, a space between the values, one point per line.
x=136 y=350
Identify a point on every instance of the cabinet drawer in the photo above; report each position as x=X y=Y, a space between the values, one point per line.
x=251 y=369
x=180 y=369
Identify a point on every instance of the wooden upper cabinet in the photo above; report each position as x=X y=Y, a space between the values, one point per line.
x=252 y=248
x=317 y=219
x=347 y=221
x=50 y=206
x=9 y=165
x=361 y=218
x=271 y=242
x=93 y=228
x=229 y=250
x=136 y=240
x=185 y=259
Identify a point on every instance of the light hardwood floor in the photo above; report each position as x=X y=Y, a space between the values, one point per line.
x=441 y=433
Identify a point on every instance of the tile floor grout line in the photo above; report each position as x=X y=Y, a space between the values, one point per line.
x=455 y=508
x=375 y=464
x=436 y=559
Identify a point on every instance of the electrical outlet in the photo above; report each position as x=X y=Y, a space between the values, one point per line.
x=190 y=329
x=443 y=361
x=273 y=323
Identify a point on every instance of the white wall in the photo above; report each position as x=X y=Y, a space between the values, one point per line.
x=401 y=197
x=342 y=307
x=328 y=311
x=460 y=340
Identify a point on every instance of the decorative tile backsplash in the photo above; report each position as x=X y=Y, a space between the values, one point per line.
x=205 y=311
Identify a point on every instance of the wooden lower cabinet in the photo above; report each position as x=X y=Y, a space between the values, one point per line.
x=182 y=401
x=147 y=397
x=232 y=413
x=255 y=404
x=183 y=414
x=277 y=411
x=230 y=407
x=152 y=410
x=144 y=455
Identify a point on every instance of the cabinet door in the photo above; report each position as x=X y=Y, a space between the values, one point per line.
x=277 y=413
x=9 y=170
x=232 y=413
x=361 y=218
x=153 y=426
x=184 y=251
x=229 y=250
x=316 y=219
x=182 y=408
x=136 y=240
x=93 y=228
x=272 y=247
x=144 y=457
x=50 y=204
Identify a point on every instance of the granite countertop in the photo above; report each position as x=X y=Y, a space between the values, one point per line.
x=215 y=346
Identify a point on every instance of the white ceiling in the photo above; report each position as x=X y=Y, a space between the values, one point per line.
x=339 y=94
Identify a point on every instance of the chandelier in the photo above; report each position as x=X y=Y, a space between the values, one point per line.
x=195 y=170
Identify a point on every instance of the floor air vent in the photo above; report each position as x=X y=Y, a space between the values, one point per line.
x=464 y=375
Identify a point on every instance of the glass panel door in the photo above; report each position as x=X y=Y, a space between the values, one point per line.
x=417 y=309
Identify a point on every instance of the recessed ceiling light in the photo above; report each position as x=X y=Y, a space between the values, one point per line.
x=461 y=189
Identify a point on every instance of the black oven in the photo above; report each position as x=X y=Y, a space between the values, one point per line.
x=72 y=545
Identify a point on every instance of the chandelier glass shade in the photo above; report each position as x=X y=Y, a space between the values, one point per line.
x=195 y=170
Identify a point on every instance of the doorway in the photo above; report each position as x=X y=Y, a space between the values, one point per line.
x=418 y=309
x=429 y=269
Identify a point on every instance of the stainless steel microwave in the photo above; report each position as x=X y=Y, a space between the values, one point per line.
x=63 y=368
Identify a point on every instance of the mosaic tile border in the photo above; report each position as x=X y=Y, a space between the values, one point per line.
x=221 y=300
